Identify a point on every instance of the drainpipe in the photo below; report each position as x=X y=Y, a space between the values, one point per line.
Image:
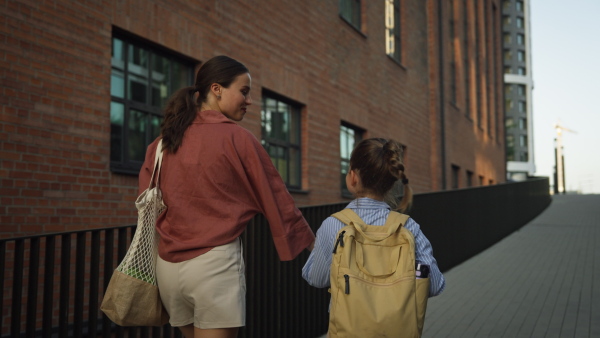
x=441 y=91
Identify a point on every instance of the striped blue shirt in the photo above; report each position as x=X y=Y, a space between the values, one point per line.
x=316 y=269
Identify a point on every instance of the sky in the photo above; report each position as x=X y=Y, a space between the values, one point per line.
x=565 y=40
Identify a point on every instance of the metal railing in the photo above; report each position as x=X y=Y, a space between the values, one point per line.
x=461 y=223
x=52 y=284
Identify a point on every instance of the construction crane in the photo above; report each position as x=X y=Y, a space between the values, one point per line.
x=560 y=176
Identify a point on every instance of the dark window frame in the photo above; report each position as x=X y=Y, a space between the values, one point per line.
x=296 y=109
x=394 y=30
x=125 y=164
x=345 y=161
x=469 y=179
x=455 y=178
x=452 y=4
x=351 y=13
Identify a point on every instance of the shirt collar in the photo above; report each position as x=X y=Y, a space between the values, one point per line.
x=211 y=116
x=367 y=203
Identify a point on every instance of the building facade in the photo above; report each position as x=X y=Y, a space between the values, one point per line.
x=518 y=85
x=84 y=83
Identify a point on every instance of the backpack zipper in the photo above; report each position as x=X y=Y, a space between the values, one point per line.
x=339 y=241
x=347 y=282
x=347 y=278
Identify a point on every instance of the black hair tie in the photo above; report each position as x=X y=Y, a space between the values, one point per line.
x=405 y=181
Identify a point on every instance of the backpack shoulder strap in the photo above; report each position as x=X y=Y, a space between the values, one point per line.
x=396 y=220
x=348 y=215
x=399 y=220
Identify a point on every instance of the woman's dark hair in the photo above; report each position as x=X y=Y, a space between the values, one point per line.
x=378 y=163
x=180 y=110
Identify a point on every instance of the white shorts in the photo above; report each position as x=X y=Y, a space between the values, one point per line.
x=208 y=291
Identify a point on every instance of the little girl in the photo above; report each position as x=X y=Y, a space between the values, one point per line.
x=375 y=165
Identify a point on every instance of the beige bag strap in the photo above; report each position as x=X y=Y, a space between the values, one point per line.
x=396 y=220
x=158 y=155
x=393 y=222
x=347 y=216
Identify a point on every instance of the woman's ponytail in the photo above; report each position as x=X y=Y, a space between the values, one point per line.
x=180 y=112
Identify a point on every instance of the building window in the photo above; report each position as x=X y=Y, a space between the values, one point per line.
x=522 y=107
x=521 y=56
x=507 y=38
x=509 y=123
x=510 y=147
x=508 y=104
x=350 y=11
x=481 y=180
x=453 y=37
x=508 y=89
x=521 y=90
x=469 y=178
x=392 y=29
x=521 y=71
x=519 y=6
x=520 y=23
x=507 y=70
x=349 y=137
x=507 y=55
x=455 y=176
x=506 y=20
x=520 y=39
x=522 y=123
x=280 y=127
x=142 y=79
x=523 y=140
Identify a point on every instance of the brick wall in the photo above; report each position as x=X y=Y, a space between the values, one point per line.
x=55 y=95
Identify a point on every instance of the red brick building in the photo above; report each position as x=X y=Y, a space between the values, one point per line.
x=82 y=83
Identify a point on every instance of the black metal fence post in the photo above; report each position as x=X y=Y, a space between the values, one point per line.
x=459 y=223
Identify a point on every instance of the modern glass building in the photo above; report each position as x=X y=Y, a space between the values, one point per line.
x=518 y=85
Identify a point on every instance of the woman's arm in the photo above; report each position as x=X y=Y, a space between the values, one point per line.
x=291 y=233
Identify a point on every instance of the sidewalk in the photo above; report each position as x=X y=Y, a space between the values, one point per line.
x=541 y=281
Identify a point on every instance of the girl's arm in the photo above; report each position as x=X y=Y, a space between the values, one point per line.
x=424 y=255
x=316 y=270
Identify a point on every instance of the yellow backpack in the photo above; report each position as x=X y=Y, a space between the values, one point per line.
x=374 y=289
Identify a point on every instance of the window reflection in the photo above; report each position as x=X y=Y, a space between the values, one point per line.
x=142 y=79
x=280 y=125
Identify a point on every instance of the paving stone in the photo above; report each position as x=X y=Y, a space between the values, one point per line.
x=541 y=281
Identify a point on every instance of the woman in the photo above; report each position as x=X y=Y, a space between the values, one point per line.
x=215 y=177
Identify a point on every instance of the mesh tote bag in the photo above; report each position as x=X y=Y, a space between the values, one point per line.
x=132 y=298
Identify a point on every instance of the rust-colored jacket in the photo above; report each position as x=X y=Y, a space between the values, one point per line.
x=214 y=184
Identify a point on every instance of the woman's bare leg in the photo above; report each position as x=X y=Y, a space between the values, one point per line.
x=189 y=331
x=230 y=332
